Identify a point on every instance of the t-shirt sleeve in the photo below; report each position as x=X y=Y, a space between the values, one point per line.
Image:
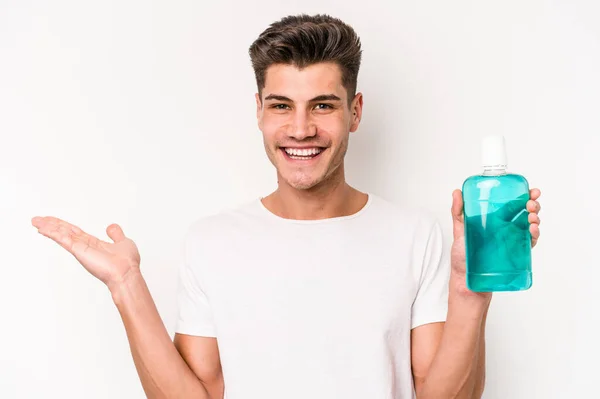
x=194 y=312
x=431 y=301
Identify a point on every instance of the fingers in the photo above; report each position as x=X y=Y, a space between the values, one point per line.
x=457 y=205
x=50 y=222
x=457 y=214
x=533 y=206
x=535 y=234
x=535 y=193
x=58 y=230
x=534 y=228
x=68 y=236
x=533 y=218
x=115 y=232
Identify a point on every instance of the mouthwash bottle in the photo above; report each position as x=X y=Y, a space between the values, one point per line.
x=497 y=237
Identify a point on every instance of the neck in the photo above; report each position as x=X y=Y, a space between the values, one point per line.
x=329 y=199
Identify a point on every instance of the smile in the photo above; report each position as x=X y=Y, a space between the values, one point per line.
x=302 y=154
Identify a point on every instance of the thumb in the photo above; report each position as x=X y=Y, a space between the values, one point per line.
x=115 y=232
x=458 y=221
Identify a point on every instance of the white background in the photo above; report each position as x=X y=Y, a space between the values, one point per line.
x=143 y=114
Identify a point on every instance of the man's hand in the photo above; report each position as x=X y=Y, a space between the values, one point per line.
x=458 y=253
x=109 y=262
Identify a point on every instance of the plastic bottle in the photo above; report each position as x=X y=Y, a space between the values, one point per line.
x=497 y=237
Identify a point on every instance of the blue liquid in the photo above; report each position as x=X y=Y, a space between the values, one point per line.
x=497 y=237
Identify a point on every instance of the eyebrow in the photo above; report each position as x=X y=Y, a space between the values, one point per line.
x=322 y=97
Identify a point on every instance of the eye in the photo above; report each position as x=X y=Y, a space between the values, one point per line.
x=280 y=106
x=324 y=106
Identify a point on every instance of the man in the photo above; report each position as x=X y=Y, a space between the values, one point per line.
x=317 y=290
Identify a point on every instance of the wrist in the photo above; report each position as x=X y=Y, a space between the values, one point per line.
x=120 y=286
x=461 y=295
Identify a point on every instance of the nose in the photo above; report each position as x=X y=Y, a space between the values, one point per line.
x=302 y=127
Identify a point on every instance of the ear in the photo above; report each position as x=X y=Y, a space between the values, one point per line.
x=258 y=110
x=356 y=108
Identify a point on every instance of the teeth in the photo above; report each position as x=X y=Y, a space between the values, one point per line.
x=305 y=152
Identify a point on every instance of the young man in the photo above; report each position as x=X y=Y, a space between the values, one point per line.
x=317 y=290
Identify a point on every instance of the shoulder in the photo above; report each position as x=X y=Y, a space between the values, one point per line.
x=222 y=224
x=407 y=219
x=414 y=233
x=225 y=219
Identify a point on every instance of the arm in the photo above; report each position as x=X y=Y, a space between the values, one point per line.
x=202 y=356
x=448 y=359
x=480 y=378
x=188 y=369
x=163 y=371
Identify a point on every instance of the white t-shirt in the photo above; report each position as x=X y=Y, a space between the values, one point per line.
x=318 y=309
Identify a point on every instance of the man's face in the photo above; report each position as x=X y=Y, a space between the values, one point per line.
x=305 y=121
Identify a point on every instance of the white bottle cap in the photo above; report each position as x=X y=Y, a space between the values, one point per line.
x=493 y=152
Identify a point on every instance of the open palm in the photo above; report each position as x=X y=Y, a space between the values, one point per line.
x=109 y=262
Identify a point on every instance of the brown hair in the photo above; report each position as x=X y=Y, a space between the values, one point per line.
x=304 y=40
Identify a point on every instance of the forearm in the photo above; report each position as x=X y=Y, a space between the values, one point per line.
x=480 y=375
x=458 y=367
x=163 y=372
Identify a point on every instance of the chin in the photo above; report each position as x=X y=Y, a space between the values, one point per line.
x=302 y=183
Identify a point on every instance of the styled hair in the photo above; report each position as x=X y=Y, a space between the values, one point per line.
x=304 y=40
